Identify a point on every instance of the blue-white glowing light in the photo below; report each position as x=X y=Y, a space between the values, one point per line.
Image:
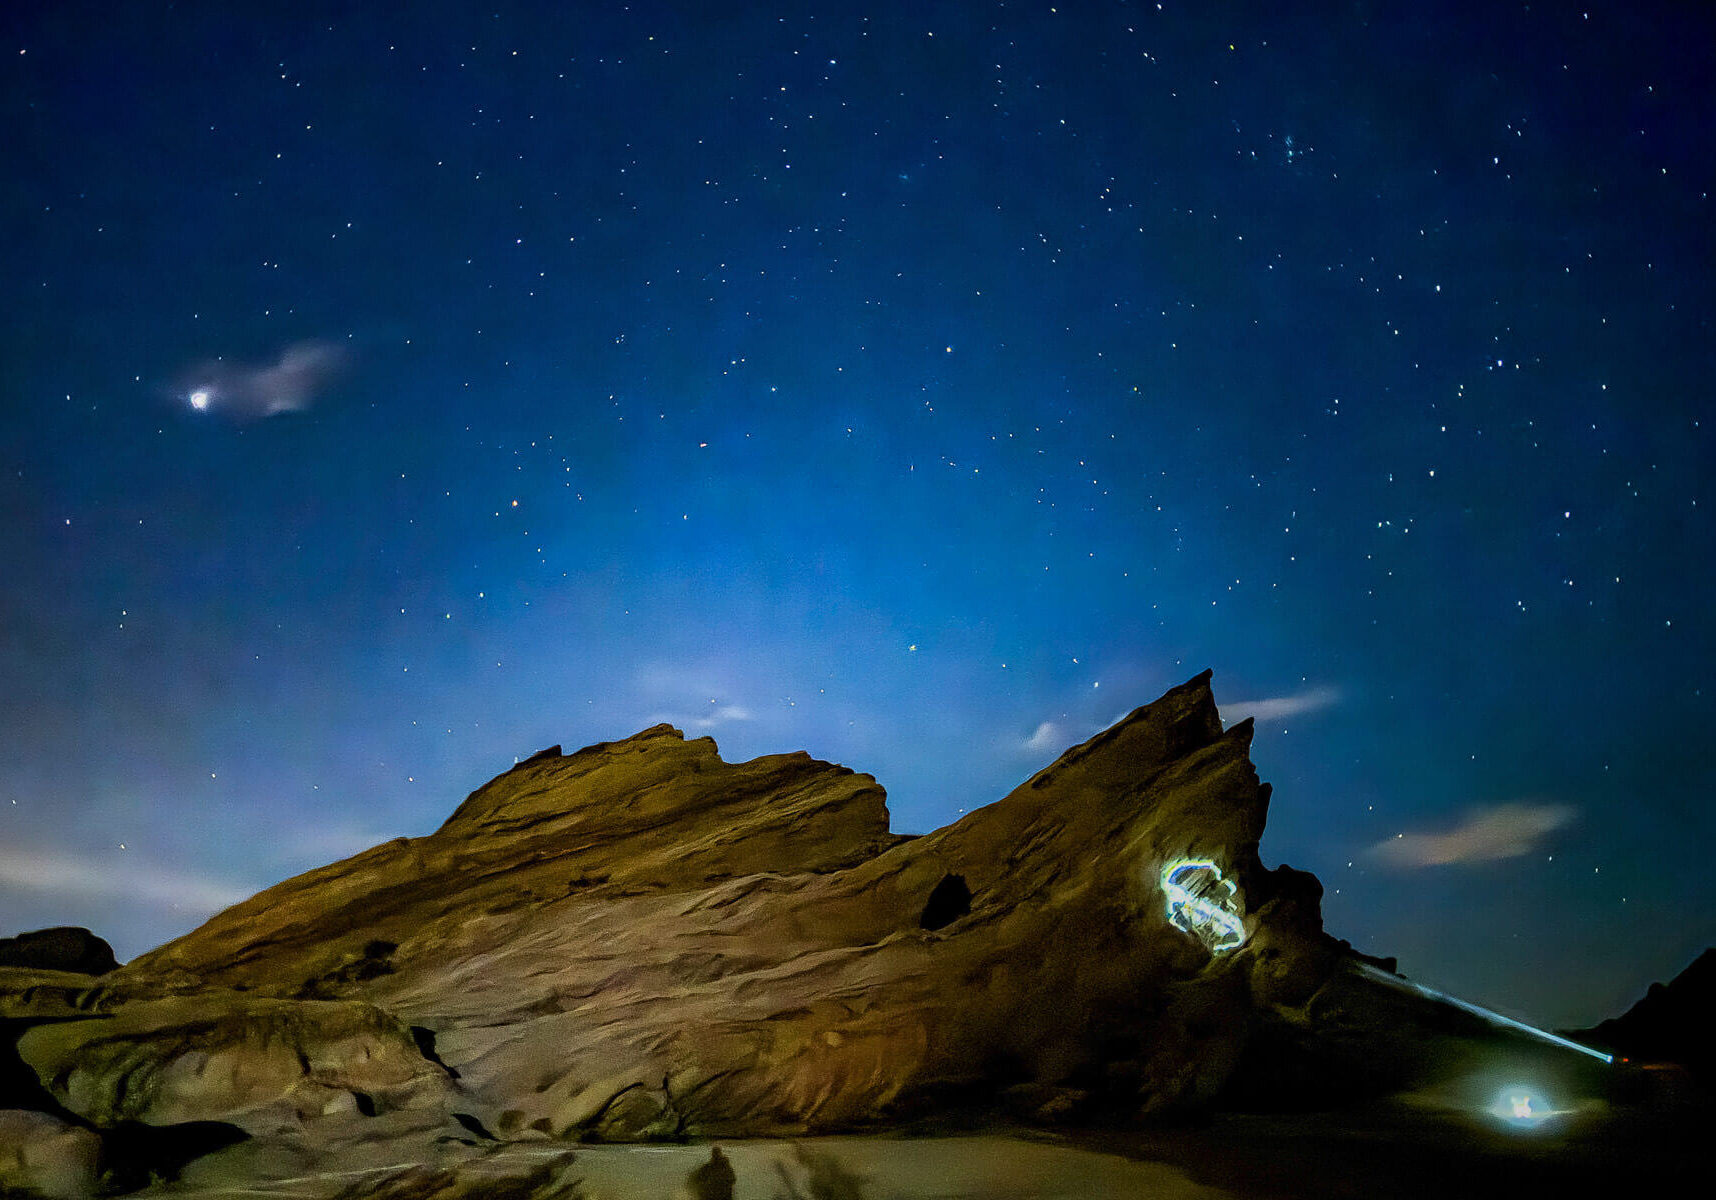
x=1523 y=1106
x=1201 y=902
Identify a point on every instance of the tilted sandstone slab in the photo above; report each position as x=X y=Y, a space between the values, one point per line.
x=257 y=1063
x=640 y=940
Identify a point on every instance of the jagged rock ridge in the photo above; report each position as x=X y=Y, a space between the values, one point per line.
x=640 y=940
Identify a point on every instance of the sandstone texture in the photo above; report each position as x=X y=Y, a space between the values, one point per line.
x=640 y=941
x=43 y=1156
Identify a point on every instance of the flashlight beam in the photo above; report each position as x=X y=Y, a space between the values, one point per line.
x=1495 y=1018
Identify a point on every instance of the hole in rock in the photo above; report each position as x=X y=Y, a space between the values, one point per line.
x=950 y=901
x=425 y=1039
x=474 y=1125
x=365 y=1103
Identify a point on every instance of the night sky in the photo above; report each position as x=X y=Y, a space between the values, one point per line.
x=391 y=391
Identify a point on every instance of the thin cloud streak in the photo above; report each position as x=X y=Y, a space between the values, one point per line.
x=1507 y=831
x=1047 y=737
x=123 y=877
x=713 y=718
x=1276 y=708
x=288 y=384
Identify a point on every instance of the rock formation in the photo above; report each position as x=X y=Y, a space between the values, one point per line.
x=63 y=948
x=1670 y=1023
x=641 y=941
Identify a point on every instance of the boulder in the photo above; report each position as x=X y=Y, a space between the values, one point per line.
x=45 y=1157
x=63 y=948
x=217 y=1055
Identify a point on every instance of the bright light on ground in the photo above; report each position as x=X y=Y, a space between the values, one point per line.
x=1523 y=1106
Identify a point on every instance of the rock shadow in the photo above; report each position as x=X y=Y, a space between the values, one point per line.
x=825 y=1177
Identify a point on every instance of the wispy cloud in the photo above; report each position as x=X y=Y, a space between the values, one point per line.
x=696 y=696
x=1506 y=831
x=719 y=714
x=1276 y=708
x=123 y=876
x=1047 y=737
x=712 y=717
x=250 y=392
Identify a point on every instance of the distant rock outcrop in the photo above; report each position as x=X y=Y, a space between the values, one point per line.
x=1671 y=1022
x=63 y=948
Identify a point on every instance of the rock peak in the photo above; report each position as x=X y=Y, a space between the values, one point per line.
x=641 y=940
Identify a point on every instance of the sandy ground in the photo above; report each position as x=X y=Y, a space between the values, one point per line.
x=1406 y=1154
x=1400 y=1152
x=837 y=1168
x=975 y=1168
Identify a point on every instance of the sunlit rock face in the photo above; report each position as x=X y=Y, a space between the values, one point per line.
x=640 y=940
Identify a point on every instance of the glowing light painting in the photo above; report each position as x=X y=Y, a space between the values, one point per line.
x=1201 y=902
x=1523 y=1107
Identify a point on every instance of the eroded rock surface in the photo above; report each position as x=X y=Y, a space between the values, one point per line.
x=641 y=941
x=44 y=1157
x=212 y=1055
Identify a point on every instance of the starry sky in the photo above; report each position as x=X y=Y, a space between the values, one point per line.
x=390 y=391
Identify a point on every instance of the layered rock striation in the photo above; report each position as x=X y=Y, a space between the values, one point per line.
x=641 y=941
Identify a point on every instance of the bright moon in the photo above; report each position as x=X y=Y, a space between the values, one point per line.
x=199 y=399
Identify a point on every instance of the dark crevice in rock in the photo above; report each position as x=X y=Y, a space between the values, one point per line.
x=594 y=1121
x=424 y=1037
x=133 y=1154
x=365 y=1103
x=372 y=962
x=137 y=1154
x=19 y=1086
x=473 y=1125
x=950 y=901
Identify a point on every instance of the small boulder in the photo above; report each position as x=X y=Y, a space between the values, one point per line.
x=41 y=1155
